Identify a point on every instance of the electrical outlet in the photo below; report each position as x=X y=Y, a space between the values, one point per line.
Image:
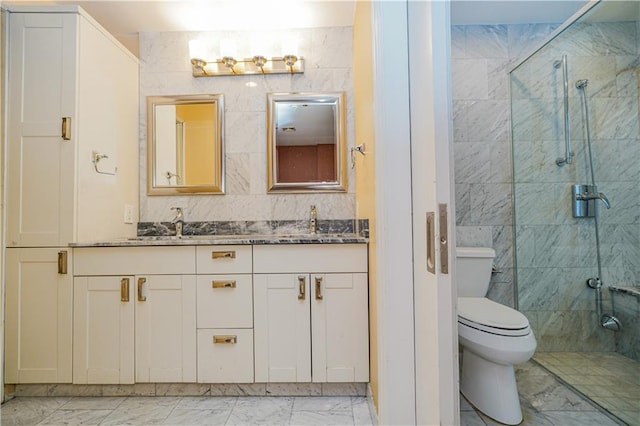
x=128 y=213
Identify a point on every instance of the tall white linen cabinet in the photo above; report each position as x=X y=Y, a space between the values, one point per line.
x=72 y=96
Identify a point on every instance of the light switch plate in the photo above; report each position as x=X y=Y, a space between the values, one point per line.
x=128 y=213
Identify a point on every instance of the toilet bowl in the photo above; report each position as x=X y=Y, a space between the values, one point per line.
x=493 y=338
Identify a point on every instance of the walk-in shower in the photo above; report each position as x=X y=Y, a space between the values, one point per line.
x=576 y=192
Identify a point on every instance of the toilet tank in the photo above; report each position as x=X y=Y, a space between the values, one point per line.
x=473 y=270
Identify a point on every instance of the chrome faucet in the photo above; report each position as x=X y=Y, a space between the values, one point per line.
x=585 y=196
x=313 y=220
x=178 y=220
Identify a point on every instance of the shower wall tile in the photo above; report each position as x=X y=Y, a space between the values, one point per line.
x=470 y=78
x=474 y=236
x=626 y=75
x=487 y=41
x=491 y=204
x=502 y=240
x=525 y=245
x=575 y=331
x=615 y=118
x=522 y=39
x=460 y=119
x=627 y=310
x=565 y=246
x=498 y=85
x=555 y=289
x=625 y=203
x=488 y=120
x=463 y=204
x=165 y=69
x=501 y=162
x=472 y=162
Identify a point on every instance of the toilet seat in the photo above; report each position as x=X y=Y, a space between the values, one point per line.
x=488 y=316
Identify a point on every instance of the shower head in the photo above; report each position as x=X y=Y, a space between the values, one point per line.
x=557 y=63
x=581 y=84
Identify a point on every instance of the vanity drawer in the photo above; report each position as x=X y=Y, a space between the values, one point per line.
x=134 y=260
x=224 y=259
x=295 y=258
x=225 y=355
x=225 y=301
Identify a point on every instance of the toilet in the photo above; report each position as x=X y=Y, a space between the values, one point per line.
x=493 y=338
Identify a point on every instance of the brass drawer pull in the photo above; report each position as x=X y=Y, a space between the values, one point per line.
x=66 y=128
x=223 y=284
x=319 y=288
x=124 y=290
x=223 y=254
x=141 y=282
x=302 y=287
x=62 y=262
x=225 y=339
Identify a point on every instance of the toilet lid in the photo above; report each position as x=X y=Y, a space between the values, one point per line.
x=485 y=314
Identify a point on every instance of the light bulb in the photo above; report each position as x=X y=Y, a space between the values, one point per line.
x=196 y=49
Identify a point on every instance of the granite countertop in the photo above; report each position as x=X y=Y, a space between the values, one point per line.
x=227 y=240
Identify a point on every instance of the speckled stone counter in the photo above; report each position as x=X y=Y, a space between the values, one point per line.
x=227 y=240
x=243 y=232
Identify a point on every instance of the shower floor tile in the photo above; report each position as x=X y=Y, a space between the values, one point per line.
x=609 y=379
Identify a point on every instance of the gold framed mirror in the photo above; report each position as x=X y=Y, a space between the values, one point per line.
x=306 y=144
x=185 y=145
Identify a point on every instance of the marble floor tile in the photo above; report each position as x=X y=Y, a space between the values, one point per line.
x=579 y=418
x=76 y=417
x=322 y=418
x=470 y=418
x=361 y=411
x=181 y=416
x=325 y=403
x=261 y=410
x=145 y=414
x=29 y=410
x=207 y=403
x=89 y=403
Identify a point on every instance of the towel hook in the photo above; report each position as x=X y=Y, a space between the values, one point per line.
x=357 y=148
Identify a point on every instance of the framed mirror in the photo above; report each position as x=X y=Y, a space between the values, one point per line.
x=306 y=144
x=185 y=144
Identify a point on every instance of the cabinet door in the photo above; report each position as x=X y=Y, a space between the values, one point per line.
x=103 y=335
x=165 y=328
x=39 y=306
x=340 y=332
x=40 y=164
x=281 y=328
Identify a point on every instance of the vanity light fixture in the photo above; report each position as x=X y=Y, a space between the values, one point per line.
x=230 y=64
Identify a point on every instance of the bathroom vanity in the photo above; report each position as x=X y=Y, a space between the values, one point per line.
x=237 y=309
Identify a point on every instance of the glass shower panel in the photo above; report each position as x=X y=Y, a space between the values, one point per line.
x=557 y=253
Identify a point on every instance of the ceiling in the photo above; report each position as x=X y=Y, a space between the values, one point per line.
x=126 y=18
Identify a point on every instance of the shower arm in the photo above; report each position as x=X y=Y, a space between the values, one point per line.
x=567 y=128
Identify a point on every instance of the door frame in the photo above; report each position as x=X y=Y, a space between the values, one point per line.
x=417 y=349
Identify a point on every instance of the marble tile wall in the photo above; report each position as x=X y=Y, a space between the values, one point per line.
x=556 y=253
x=482 y=56
x=165 y=70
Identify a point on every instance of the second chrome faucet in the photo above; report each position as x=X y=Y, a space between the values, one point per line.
x=313 y=220
x=178 y=220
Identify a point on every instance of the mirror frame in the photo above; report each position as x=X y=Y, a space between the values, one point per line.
x=216 y=187
x=337 y=98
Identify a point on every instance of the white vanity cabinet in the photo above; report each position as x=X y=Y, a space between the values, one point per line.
x=72 y=89
x=134 y=316
x=39 y=306
x=311 y=313
x=225 y=314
